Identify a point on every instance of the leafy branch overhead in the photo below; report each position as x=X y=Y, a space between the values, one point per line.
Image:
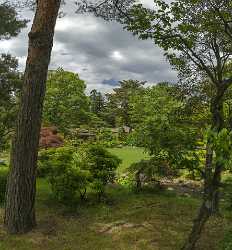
x=191 y=34
x=10 y=24
x=106 y=9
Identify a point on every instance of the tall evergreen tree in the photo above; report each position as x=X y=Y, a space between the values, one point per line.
x=20 y=203
x=120 y=98
x=97 y=102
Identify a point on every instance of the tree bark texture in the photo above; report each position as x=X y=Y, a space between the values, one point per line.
x=21 y=188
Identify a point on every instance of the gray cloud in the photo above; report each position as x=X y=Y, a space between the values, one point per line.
x=100 y=52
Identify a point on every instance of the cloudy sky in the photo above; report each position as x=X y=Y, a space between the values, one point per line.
x=101 y=53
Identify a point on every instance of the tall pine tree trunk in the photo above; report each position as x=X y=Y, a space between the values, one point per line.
x=21 y=189
x=210 y=204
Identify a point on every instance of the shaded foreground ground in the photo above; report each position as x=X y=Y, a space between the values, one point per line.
x=157 y=220
x=149 y=220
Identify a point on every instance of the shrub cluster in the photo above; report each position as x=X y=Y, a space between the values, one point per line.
x=71 y=173
x=102 y=165
x=54 y=158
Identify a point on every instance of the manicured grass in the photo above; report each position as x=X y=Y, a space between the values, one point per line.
x=129 y=155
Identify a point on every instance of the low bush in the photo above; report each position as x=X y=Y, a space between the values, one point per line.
x=54 y=158
x=107 y=138
x=102 y=166
x=75 y=177
x=126 y=180
x=149 y=172
x=3 y=181
x=71 y=173
x=65 y=186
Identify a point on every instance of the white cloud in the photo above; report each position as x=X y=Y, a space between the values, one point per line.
x=148 y=3
x=98 y=51
x=117 y=55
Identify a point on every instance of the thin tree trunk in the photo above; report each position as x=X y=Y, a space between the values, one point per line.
x=217 y=184
x=21 y=190
x=206 y=210
x=198 y=226
x=210 y=204
x=217 y=126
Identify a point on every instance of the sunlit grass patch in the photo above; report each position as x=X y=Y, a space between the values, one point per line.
x=129 y=155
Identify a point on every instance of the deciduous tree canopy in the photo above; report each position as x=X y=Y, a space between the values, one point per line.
x=66 y=105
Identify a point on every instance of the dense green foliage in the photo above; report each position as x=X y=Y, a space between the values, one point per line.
x=10 y=84
x=118 y=103
x=70 y=171
x=114 y=108
x=10 y=24
x=196 y=38
x=164 y=128
x=66 y=105
x=107 y=138
x=3 y=181
x=97 y=102
x=102 y=166
x=54 y=158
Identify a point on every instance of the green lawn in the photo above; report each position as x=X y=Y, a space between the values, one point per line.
x=149 y=220
x=129 y=155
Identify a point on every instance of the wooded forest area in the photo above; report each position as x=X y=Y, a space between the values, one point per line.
x=146 y=165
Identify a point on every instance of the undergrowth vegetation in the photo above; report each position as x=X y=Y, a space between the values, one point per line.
x=124 y=220
x=71 y=172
